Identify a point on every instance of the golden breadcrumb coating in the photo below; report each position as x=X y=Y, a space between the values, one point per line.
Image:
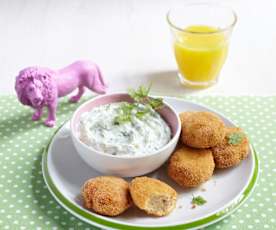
x=153 y=196
x=201 y=129
x=106 y=195
x=227 y=155
x=190 y=167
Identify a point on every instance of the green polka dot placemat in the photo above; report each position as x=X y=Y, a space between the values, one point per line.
x=25 y=202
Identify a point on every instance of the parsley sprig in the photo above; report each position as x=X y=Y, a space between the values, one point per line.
x=140 y=97
x=235 y=138
x=198 y=200
x=125 y=114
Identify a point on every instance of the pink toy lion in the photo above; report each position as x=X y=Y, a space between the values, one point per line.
x=38 y=87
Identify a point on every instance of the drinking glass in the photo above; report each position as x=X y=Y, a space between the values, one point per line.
x=201 y=34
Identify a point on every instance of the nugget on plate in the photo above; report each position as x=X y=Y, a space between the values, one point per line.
x=201 y=129
x=190 y=167
x=106 y=195
x=232 y=150
x=153 y=196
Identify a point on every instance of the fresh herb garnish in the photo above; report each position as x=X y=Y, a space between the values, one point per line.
x=235 y=138
x=140 y=97
x=125 y=114
x=142 y=112
x=156 y=103
x=198 y=200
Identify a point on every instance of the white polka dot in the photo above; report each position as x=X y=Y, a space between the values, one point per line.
x=263 y=215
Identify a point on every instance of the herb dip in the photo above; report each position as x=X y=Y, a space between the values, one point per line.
x=140 y=136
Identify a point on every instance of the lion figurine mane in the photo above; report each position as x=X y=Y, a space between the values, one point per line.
x=44 y=76
x=38 y=86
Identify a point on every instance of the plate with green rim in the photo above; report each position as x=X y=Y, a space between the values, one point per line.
x=65 y=172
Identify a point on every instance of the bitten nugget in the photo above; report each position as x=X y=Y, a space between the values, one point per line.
x=201 y=129
x=153 y=196
x=106 y=195
x=190 y=167
x=231 y=151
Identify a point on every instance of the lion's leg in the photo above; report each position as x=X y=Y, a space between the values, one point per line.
x=51 y=120
x=37 y=114
x=77 y=97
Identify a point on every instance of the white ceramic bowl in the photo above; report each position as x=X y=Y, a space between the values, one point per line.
x=125 y=166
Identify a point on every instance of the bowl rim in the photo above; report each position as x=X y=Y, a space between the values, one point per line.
x=159 y=151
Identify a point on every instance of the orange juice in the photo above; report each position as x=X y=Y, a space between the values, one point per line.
x=200 y=53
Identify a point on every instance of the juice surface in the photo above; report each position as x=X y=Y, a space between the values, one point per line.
x=200 y=55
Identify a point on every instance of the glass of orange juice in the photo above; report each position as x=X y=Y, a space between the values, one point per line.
x=201 y=33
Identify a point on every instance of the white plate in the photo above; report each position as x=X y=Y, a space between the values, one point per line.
x=64 y=173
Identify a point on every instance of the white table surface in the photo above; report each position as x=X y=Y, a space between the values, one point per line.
x=130 y=41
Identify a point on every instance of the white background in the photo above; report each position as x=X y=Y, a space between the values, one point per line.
x=130 y=41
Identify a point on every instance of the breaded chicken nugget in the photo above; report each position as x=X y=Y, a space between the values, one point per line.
x=190 y=167
x=183 y=116
x=232 y=150
x=153 y=196
x=106 y=195
x=201 y=129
